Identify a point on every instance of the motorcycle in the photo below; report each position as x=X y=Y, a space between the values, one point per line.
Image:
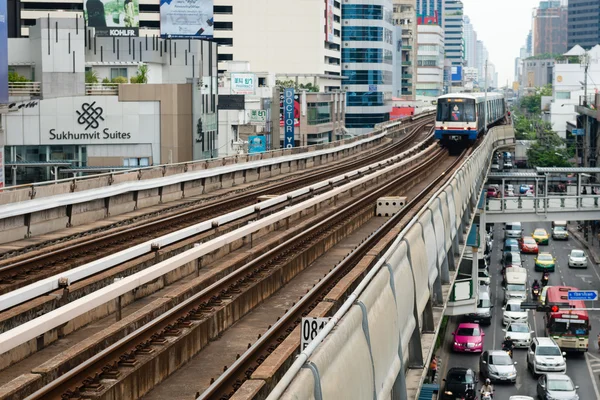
x=508 y=350
x=535 y=293
x=545 y=280
x=486 y=396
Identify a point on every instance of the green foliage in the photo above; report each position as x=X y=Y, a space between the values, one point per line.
x=119 y=79
x=309 y=87
x=133 y=79
x=545 y=56
x=106 y=80
x=549 y=149
x=91 y=76
x=532 y=104
x=14 y=77
x=141 y=76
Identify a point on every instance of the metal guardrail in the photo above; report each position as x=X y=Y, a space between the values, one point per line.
x=101 y=89
x=24 y=88
x=543 y=204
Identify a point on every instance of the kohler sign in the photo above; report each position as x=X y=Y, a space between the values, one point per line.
x=89 y=118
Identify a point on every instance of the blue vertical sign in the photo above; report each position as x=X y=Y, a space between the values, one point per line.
x=3 y=53
x=288 y=117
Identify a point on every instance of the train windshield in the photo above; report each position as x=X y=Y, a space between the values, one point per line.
x=456 y=110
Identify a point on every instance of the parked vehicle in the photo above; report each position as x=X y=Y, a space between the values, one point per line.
x=513 y=230
x=528 y=245
x=483 y=312
x=492 y=192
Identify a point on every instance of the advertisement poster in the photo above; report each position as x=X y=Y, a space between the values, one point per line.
x=3 y=53
x=186 y=18
x=242 y=83
x=457 y=74
x=329 y=21
x=257 y=144
x=296 y=109
x=290 y=112
x=113 y=17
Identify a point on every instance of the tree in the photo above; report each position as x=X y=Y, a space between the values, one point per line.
x=309 y=87
x=91 y=76
x=549 y=149
x=142 y=75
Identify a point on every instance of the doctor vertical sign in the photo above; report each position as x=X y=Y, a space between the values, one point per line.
x=288 y=117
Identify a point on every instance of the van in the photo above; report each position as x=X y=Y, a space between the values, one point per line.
x=483 y=312
x=513 y=230
x=559 y=223
x=515 y=285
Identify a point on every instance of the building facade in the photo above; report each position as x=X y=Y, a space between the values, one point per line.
x=430 y=11
x=470 y=43
x=550 y=22
x=537 y=73
x=583 y=23
x=60 y=120
x=368 y=62
x=482 y=57
x=405 y=21
x=454 y=43
x=430 y=61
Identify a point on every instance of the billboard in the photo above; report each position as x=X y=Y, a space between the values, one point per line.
x=232 y=102
x=242 y=83
x=329 y=21
x=3 y=53
x=289 y=116
x=257 y=144
x=457 y=74
x=186 y=18
x=296 y=109
x=113 y=17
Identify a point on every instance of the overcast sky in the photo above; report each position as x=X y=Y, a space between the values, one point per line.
x=502 y=25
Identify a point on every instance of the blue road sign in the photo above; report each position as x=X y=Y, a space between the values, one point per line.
x=585 y=295
x=578 y=132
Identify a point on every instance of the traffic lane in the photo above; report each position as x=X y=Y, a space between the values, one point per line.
x=494 y=334
x=579 y=366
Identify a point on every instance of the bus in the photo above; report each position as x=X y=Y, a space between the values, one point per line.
x=569 y=328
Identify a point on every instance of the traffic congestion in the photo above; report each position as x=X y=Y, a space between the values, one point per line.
x=526 y=340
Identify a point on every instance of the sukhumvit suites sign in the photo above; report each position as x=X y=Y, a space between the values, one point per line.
x=89 y=118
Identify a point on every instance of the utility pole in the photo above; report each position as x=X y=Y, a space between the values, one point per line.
x=485 y=116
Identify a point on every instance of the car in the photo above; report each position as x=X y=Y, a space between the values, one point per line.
x=529 y=193
x=457 y=381
x=496 y=167
x=524 y=188
x=513 y=230
x=529 y=245
x=497 y=366
x=578 y=259
x=541 y=236
x=513 y=312
x=484 y=277
x=509 y=252
x=493 y=192
x=483 y=312
x=545 y=262
x=513 y=259
x=520 y=333
x=556 y=387
x=544 y=357
x=510 y=186
x=560 y=233
x=508 y=164
x=468 y=338
x=542 y=299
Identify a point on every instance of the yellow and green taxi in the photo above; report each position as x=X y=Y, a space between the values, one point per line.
x=545 y=262
x=541 y=236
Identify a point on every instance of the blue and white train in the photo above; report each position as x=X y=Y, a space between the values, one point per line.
x=460 y=117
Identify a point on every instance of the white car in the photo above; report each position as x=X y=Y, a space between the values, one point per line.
x=513 y=312
x=484 y=277
x=544 y=357
x=577 y=259
x=520 y=333
x=519 y=397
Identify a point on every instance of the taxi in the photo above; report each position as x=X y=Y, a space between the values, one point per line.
x=541 y=236
x=528 y=245
x=545 y=262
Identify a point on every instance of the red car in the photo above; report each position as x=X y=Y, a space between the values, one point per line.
x=492 y=192
x=528 y=245
x=468 y=338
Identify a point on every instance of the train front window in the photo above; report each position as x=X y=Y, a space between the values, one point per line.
x=451 y=110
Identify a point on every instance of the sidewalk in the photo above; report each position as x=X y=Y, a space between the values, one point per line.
x=593 y=248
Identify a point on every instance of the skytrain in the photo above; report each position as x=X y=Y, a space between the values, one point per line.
x=460 y=117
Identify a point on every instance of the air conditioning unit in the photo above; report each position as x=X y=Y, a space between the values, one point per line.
x=388 y=206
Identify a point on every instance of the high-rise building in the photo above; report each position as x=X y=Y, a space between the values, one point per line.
x=367 y=59
x=550 y=21
x=482 y=56
x=584 y=23
x=454 y=33
x=470 y=43
x=529 y=43
x=405 y=21
x=430 y=11
x=430 y=61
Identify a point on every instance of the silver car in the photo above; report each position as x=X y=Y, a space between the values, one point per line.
x=577 y=259
x=557 y=387
x=497 y=366
x=560 y=233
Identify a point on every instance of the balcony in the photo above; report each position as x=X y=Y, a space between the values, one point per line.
x=406 y=76
x=407 y=47
x=24 y=89
x=407 y=63
x=101 y=89
x=406 y=93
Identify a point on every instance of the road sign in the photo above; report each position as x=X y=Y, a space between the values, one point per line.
x=585 y=295
x=310 y=329
x=578 y=132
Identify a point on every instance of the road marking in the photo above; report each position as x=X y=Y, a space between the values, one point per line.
x=587 y=361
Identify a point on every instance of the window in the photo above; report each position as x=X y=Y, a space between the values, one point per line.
x=115 y=72
x=364 y=99
x=454 y=111
x=223 y=9
x=367 y=33
x=356 y=11
x=224 y=41
x=136 y=162
x=223 y=26
x=224 y=57
x=365 y=120
x=368 y=77
x=563 y=95
x=367 y=56
x=318 y=113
